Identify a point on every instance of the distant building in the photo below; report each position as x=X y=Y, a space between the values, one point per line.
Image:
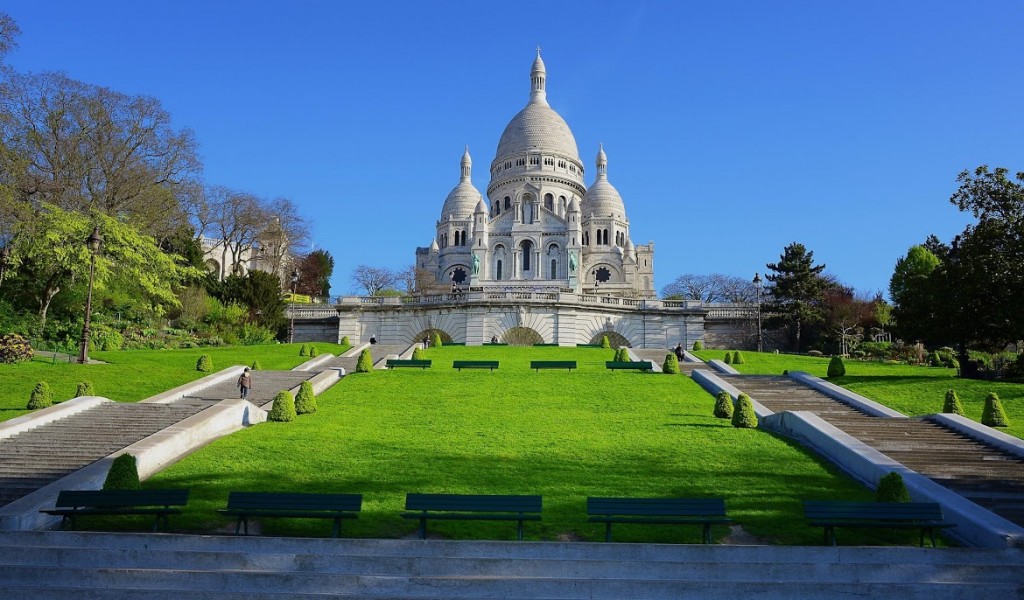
x=269 y=252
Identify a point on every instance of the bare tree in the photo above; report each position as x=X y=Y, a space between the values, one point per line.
x=714 y=287
x=374 y=279
x=288 y=230
x=237 y=220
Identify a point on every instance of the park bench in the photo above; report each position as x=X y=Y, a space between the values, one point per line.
x=453 y=344
x=926 y=516
x=640 y=365
x=475 y=364
x=80 y=503
x=544 y=344
x=495 y=343
x=292 y=505
x=552 y=364
x=393 y=363
x=658 y=511
x=471 y=508
x=588 y=345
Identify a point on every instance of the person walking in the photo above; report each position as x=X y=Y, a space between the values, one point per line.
x=245 y=382
x=679 y=352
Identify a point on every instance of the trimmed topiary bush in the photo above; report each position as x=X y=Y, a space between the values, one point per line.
x=698 y=345
x=305 y=402
x=723 y=405
x=671 y=364
x=41 y=396
x=436 y=340
x=785 y=372
x=622 y=355
x=204 y=364
x=728 y=358
x=313 y=352
x=419 y=354
x=605 y=343
x=123 y=474
x=14 y=349
x=284 y=408
x=892 y=489
x=304 y=350
x=737 y=358
x=365 y=362
x=952 y=404
x=84 y=389
x=993 y=414
x=836 y=367
x=256 y=366
x=344 y=341
x=744 y=416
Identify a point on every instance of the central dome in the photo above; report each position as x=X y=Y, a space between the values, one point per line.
x=537 y=128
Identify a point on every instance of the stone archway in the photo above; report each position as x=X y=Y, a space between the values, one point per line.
x=522 y=336
x=615 y=339
x=429 y=334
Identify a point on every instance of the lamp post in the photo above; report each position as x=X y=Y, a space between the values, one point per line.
x=291 y=311
x=93 y=242
x=757 y=286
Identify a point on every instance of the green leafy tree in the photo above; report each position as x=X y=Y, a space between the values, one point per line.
x=204 y=364
x=365 y=362
x=283 y=409
x=698 y=345
x=916 y=294
x=952 y=404
x=737 y=358
x=305 y=402
x=723 y=405
x=744 y=416
x=123 y=474
x=892 y=489
x=84 y=389
x=671 y=364
x=436 y=341
x=836 y=367
x=796 y=293
x=260 y=292
x=315 y=270
x=41 y=396
x=993 y=414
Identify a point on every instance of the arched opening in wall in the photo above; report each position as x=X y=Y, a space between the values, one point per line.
x=527 y=247
x=614 y=338
x=549 y=202
x=212 y=266
x=428 y=334
x=498 y=271
x=554 y=269
x=521 y=336
x=508 y=202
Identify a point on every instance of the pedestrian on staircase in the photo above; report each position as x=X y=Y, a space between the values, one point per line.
x=245 y=382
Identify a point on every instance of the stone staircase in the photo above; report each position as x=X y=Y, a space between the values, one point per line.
x=39 y=456
x=265 y=385
x=985 y=475
x=658 y=357
x=45 y=565
x=377 y=351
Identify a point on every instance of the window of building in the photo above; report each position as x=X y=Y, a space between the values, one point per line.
x=527 y=251
x=603 y=275
x=554 y=269
x=508 y=203
x=561 y=164
x=549 y=202
x=498 y=271
x=459 y=275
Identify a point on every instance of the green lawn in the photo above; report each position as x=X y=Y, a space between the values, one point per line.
x=133 y=375
x=911 y=390
x=559 y=434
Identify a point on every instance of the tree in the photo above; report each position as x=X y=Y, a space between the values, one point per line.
x=9 y=32
x=796 y=292
x=374 y=279
x=315 y=270
x=261 y=293
x=714 y=287
x=847 y=316
x=915 y=294
x=237 y=219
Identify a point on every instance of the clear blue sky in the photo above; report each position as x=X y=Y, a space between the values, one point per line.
x=732 y=128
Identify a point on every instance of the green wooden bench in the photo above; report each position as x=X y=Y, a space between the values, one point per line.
x=640 y=365
x=660 y=511
x=588 y=345
x=453 y=343
x=475 y=364
x=495 y=343
x=292 y=505
x=401 y=362
x=926 y=516
x=544 y=344
x=471 y=508
x=80 y=503
x=552 y=364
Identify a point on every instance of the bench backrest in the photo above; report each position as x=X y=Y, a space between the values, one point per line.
x=553 y=364
x=409 y=362
x=884 y=511
x=640 y=364
x=474 y=363
x=294 y=501
x=113 y=498
x=656 y=506
x=469 y=502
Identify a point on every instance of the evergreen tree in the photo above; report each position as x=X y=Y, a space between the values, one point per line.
x=365 y=362
x=952 y=404
x=744 y=416
x=993 y=414
x=305 y=402
x=284 y=407
x=723 y=405
x=892 y=489
x=84 y=389
x=796 y=293
x=436 y=341
x=737 y=358
x=671 y=364
x=304 y=350
x=123 y=474
x=836 y=367
x=41 y=396
x=728 y=358
x=204 y=364
x=604 y=342
x=419 y=353
x=256 y=366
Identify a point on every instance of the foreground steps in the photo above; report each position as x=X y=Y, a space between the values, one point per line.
x=101 y=565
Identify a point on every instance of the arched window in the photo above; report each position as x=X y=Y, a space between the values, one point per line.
x=498 y=271
x=549 y=202
x=527 y=251
x=508 y=203
x=562 y=205
x=586 y=238
x=605 y=237
x=554 y=269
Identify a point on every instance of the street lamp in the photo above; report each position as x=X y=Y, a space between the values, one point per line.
x=93 y=242
x=757 y=286
x=291 y=311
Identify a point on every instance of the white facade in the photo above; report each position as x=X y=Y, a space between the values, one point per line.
x=541 y=226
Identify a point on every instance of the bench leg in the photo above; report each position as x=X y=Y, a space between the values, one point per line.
x=520 y=531
x=707 y=533
x=423 y=528
x=608 y=532
x=337 y=527
x=830 y=536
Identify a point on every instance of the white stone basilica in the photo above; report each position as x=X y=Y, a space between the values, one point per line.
x=543 y=227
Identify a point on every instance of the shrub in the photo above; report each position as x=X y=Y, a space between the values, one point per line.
x=84 y=389
x=41 y=396
x=304 y=350
x=605 y=343
x=344 y=341
x=723 y=405
x=365 y=362
x=622 y=355
x=283 y=409
x=204 y=364
x=256 y=366
x=952 y=404
x=877 y=349
x=313 y=352
x=785 y=372
x=671 y=364
x=892 y=489
x=436 y=341
x=815 y=353
x=728 y=358
x=305 y=402
x=123 y=474
x=836 y=367
x=737 y=358
x=14 y=349
x=744 y=416
x=993 y=414
x=698 y=345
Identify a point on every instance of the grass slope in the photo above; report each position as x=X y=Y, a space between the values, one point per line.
x=133 y=375
x=559 y=434
x=909 y=389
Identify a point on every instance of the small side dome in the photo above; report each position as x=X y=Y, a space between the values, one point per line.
x=433 y=245
x=462 y=200
x=481 y=207
x=602 y=199
x=574 y=205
